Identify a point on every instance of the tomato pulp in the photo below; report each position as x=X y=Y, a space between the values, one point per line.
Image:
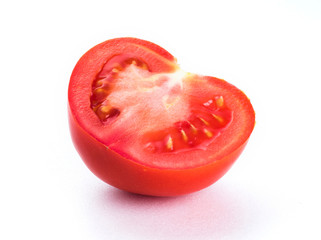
x=143 y=125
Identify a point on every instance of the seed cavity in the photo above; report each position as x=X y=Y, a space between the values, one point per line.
x=103 y=85
x=200 y=129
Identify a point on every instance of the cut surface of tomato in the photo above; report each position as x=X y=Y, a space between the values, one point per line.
x=144 y=125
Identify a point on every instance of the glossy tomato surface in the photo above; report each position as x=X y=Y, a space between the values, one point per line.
x=142 y=124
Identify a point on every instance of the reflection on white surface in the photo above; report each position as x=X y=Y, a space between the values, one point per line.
x=214 y=213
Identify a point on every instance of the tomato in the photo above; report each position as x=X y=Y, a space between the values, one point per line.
x=143 y=125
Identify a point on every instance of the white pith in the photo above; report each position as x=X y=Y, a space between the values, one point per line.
x=145 y=98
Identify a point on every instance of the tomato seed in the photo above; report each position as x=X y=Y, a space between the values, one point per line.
x=219 y=101
x=204 y=121
x=208 y=133
x=194 y=129
x=169 y=144
x=218 y=118
x=184 y=136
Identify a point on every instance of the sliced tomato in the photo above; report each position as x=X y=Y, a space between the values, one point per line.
x=143 y=125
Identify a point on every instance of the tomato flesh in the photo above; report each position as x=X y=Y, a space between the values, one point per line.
x=129 y=97
x=205 y=121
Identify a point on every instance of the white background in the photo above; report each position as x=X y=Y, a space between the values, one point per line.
x=269 y=49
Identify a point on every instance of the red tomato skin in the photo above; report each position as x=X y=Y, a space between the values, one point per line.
x=120 y=171
x=134 y=177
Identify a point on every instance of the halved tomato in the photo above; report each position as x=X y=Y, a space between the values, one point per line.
x=143 y=125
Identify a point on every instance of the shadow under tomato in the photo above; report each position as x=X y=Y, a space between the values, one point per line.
x=209 y=214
